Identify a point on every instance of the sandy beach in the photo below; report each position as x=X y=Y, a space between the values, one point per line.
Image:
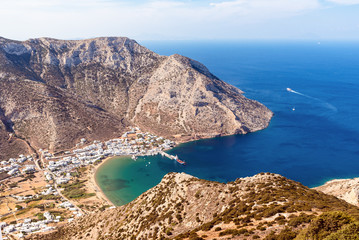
x=95 y=187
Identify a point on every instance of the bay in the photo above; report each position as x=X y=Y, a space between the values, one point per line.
x=312 y=138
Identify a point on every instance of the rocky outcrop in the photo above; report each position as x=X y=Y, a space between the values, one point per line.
x=182 y=206
x=184 y=98
x=346 y=189
x=53 y=92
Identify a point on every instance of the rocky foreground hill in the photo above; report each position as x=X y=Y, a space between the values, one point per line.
x=54 y=92
x=265 y=206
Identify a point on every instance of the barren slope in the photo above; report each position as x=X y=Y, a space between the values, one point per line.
x=53 y=92
x=183 y=206
x=346 y=189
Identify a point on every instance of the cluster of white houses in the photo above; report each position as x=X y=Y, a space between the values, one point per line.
x=59 y=168
x=72 y=208
x=14 y=166
x=29 y=226
x=26 y=226
x=141 y=144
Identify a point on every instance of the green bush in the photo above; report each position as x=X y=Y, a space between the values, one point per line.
x=18 y=207
x=328 y=223
x=348 y=232
x=75 y=190
x=13 y=185
x=40 y=216
x=298 y=220
x=285 y=234
x=233 y=232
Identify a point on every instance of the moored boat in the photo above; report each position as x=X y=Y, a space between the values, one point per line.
x=180 y=161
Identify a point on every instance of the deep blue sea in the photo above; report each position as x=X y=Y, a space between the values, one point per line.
x=312 y=138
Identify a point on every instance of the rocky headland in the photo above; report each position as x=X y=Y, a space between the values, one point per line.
x=55 y=92
x=346 y=189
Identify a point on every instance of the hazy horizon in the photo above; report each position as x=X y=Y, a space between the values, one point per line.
x=239 y=40
x=316 y=20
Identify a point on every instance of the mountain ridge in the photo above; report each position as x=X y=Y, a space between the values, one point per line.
x=54 y=92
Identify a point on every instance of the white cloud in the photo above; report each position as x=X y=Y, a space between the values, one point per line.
x=229 y=3
x=345 y=2
x=164 y=4
x=268 y=8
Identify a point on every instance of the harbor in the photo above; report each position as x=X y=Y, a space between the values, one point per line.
x=164 y=154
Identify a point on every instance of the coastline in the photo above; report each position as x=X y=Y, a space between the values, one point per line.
x=345 y=189
x=336 y=181
x=96 y=187
x=329 y=181
x=94 y=184
x=336 y=187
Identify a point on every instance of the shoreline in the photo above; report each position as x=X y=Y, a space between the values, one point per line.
x=336 y=180
x=96 y=187
x=343 y=188
x=321 y=187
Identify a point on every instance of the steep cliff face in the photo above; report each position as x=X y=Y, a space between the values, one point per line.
x=52 y=92
x=182 y=207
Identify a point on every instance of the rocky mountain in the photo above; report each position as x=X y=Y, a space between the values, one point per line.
x=54 y=92
x=265 y=206
x=346 y=189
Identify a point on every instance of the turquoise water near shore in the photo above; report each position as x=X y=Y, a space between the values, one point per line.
x=122 y=179
x=316 y=142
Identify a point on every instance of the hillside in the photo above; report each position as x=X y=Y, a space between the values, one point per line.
x=265 y=206
x=346 y=189
x=55 y=92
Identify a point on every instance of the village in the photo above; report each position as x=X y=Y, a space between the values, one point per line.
x=39 y=193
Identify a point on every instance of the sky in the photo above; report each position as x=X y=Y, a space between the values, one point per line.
x=181 y=19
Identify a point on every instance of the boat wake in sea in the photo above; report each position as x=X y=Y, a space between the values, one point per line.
x=326 y=104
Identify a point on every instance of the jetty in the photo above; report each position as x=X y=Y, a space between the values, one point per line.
x=172 y=157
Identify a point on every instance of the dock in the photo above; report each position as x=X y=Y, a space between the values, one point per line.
x=172 y=157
